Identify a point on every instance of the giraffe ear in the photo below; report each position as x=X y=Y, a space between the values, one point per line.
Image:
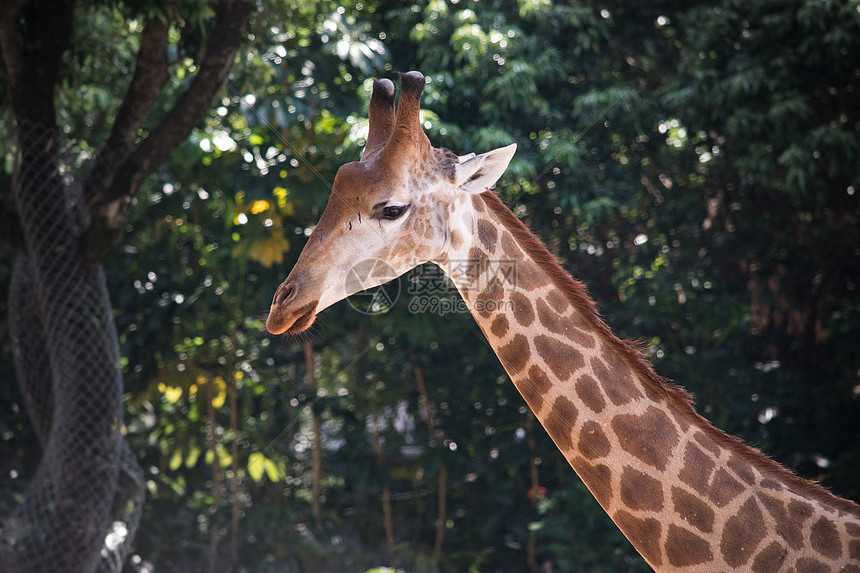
x=478 y=173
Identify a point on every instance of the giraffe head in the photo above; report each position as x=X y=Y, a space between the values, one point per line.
x=388 y=212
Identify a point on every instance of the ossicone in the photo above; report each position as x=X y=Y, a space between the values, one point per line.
x=380 y=116
x=391 y=132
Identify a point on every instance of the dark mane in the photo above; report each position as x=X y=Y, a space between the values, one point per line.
x=631 y=354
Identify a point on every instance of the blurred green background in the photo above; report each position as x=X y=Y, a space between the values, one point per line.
x=697 y=165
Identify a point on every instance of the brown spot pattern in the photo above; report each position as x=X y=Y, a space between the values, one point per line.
x=741 y=469
x=697 y=469
x=770 y=484
x=770 y=559
x=558 y=301
x=725 y=488
x=561 y=358
x=615 y=379
x=707 y=443
x=588 y=391
x=487 y=234
x=651 y=436
x=854 y=549
x=742 y=534
x=511 y=248
x=799 y=510
x=499 y=326
x=474 y=267
x=810 y=565
x=539 y=379
x=825 y=538
x=456 y=239
x=592 y=441
x=550 y=318
x=560 y=422
x=580 y=337
x=555 y=323
x=685 y=548
x=533 y=388
x=490 y=299
x=478 y=203
x=786 y=527
x=515 y=354
x=598 y=480
x=639 y=491
x=527 y=276
x=644 y=534
x=693 y=510
x=522 y=307
x=683 y=422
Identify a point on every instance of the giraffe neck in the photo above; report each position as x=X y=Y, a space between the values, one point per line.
x=685 y=494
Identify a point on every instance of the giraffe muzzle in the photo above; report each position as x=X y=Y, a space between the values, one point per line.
x=285 y=317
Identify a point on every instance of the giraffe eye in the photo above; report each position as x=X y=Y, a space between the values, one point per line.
x=393 y=211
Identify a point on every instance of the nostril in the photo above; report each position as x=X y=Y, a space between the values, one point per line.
x=284 y=293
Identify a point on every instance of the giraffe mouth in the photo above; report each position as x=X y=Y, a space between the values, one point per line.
x=299 y=320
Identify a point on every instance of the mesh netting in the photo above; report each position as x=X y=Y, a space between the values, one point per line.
x=81 y=509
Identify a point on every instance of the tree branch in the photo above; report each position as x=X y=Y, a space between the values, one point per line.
x=33 y=58
x=150 y=77
x=110 y=208
x=226 y=37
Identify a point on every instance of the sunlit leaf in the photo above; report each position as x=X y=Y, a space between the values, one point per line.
x=220 y=396
x=272 y=471
x=256 y=466
x=175 y=460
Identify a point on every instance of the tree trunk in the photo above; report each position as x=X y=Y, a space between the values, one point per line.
x=75 y=516
x=74 y=389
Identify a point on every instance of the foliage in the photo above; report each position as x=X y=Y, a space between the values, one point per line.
x=695 y=165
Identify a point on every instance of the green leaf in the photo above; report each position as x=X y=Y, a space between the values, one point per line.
x=271 y=470
x=175 y=460
x=256 y=466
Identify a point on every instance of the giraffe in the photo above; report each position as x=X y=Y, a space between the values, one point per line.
x=687 y=495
